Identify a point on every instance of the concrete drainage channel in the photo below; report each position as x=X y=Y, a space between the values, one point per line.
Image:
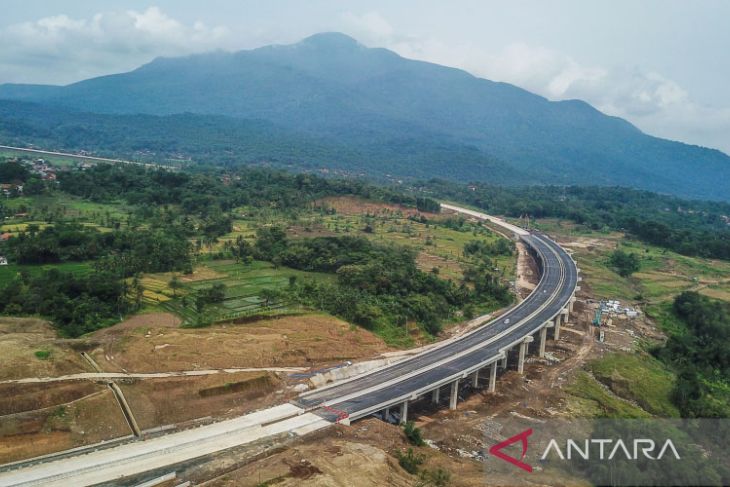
x=119 y=396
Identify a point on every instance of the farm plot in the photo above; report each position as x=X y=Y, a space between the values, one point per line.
x=251 y=290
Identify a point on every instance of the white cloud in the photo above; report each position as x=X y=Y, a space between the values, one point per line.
x=654 y=103
x=60 y=49
x=368 y=27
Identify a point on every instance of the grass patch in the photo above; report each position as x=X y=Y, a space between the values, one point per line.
x=662 y=275
x=56 y=206
x=42 y=354
x=589 y=398
x=245 y=286
x=639 y=378
x=9 y=272
x=663 y=315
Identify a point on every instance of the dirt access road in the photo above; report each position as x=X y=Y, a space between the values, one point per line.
x=150 y=375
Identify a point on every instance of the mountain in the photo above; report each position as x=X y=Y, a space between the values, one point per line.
x=215 y=139
x=414 y=115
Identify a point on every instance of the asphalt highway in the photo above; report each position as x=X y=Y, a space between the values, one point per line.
x=358 y=397
x=413 y=377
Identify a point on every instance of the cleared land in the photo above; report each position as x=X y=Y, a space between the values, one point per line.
x=46 y=417
x=153 y=343
x=662 y=275
x=57 y=418
x=29 y=348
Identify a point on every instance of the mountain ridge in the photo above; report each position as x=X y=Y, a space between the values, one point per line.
x=332 y=87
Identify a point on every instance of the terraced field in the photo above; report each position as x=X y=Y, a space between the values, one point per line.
x=251 y=289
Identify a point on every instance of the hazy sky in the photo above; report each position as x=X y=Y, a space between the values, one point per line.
x=663 y=65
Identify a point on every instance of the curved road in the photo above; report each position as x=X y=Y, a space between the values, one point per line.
x=358 y=397
x=411 y=378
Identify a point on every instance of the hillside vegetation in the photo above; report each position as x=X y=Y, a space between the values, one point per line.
x=329 y=102
x=108 y=241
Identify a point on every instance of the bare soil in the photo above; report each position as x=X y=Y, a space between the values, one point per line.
x=363 y=454
x=161 y=402
x=153 y=343
x=21 y=338
x=89 y=419
x=348 y=205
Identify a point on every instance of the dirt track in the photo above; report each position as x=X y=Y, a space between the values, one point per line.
x=152 y=375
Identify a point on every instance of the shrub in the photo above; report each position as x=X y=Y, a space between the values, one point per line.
x=413 y=433
x=43 y=354
x=410 y=461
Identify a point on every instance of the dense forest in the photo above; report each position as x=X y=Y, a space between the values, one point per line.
x=700 y=352
x=234 y=143
x=379 y=284
x=125 y=252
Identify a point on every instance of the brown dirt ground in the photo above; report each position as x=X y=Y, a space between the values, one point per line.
x=16 y=398
x=88 y=420
x=348 y=205
x=362 y=455
x=20 y=338
x=448 y=269
x=160 y=402
x=527 y=271
x=152 y=343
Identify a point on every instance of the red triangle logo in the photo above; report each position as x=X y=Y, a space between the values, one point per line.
x=496 y=450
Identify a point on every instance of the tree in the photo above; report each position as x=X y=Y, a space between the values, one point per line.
x=200 y=304
x=413 y=433
x=428 y=205
x=410 y=461
x=241 y=249
x=13 y=172
x=268 y=296
x=625 y=263
x=137 y=291
x=174 y=284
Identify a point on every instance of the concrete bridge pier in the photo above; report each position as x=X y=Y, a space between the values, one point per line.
x=493 y=377
x=475 y=379
x=543 y=339
x=556 y=331
x=454 y=394
x=523 y=351
x=503 y=362
x=404 y=412
x=435 y=395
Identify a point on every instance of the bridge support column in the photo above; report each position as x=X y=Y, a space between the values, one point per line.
x=543 y=339
x=503 y=362
x=556 y=331
x=404 y=412
x=570 y=304
x=435 y=395
x=454 y=394
x=475 y=379
x=523 y=352
x=387 y=413
x=493 y=377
